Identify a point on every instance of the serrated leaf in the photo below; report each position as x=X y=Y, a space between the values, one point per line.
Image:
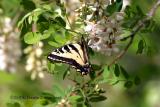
x=124 y=72
x=137 y=80
x=97 y=98
x=128 y=84
x=32 y=37
x=140 y=47
x=116 y=70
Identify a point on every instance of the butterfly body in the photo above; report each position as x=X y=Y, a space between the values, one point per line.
x=73 y=54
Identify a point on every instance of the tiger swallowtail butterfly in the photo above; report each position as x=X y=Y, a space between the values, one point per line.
x=75 y=55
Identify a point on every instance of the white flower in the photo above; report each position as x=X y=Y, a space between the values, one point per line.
x=38 y=52
x=29 y=67
x=7 y=25
x=35 y=64
x=105 y=34
x=41 y=74
x=10 y=50
x=119 y=17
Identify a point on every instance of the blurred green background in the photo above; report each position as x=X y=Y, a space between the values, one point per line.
x=147 y=67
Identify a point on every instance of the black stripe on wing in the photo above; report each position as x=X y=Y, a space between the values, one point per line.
x=74 y=48
x=66 y=48
x=60 y=49
x=72 y=62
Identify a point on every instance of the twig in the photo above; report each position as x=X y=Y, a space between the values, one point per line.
x=34 y=27
x=137 y=28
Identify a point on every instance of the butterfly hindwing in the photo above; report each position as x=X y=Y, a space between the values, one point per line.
x=73 y=54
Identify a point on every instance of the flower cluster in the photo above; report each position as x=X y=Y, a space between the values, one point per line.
x=63 y=103
x=105 y=33
x=35 y=64
x=10 y=50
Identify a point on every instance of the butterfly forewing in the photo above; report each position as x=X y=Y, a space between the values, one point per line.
x=68 y=52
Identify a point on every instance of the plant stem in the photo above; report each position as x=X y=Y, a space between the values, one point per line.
x=136 y=29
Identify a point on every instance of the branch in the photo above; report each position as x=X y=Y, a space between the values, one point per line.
x=136 y=29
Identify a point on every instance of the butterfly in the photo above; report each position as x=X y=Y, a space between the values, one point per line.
x=75 y=55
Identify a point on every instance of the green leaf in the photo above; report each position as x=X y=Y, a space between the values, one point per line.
x=65 y=73
x=140 y=47
x=60 y=21
x=75 y=98
x=114 y=7
x=124 y=72
x=58 y=91
x=137 y=80
x=30 y=19
x=60 y=39
x=97 y=98
x=127 y=11
x=92 y=74
x=15 y=104
x=91 y=52
x=32 y=37
x=50 y=97
x=116 y=70
x=68 y=36
x=128 y=84
x=115 y=82
x=106 y=72
x=54 y=44
x=96 y=67
x=139 y=10
x=60 y=68
x=119 y=4
x=46 y=35
x=28 y=5
x=51 y=67
x=110 y=9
